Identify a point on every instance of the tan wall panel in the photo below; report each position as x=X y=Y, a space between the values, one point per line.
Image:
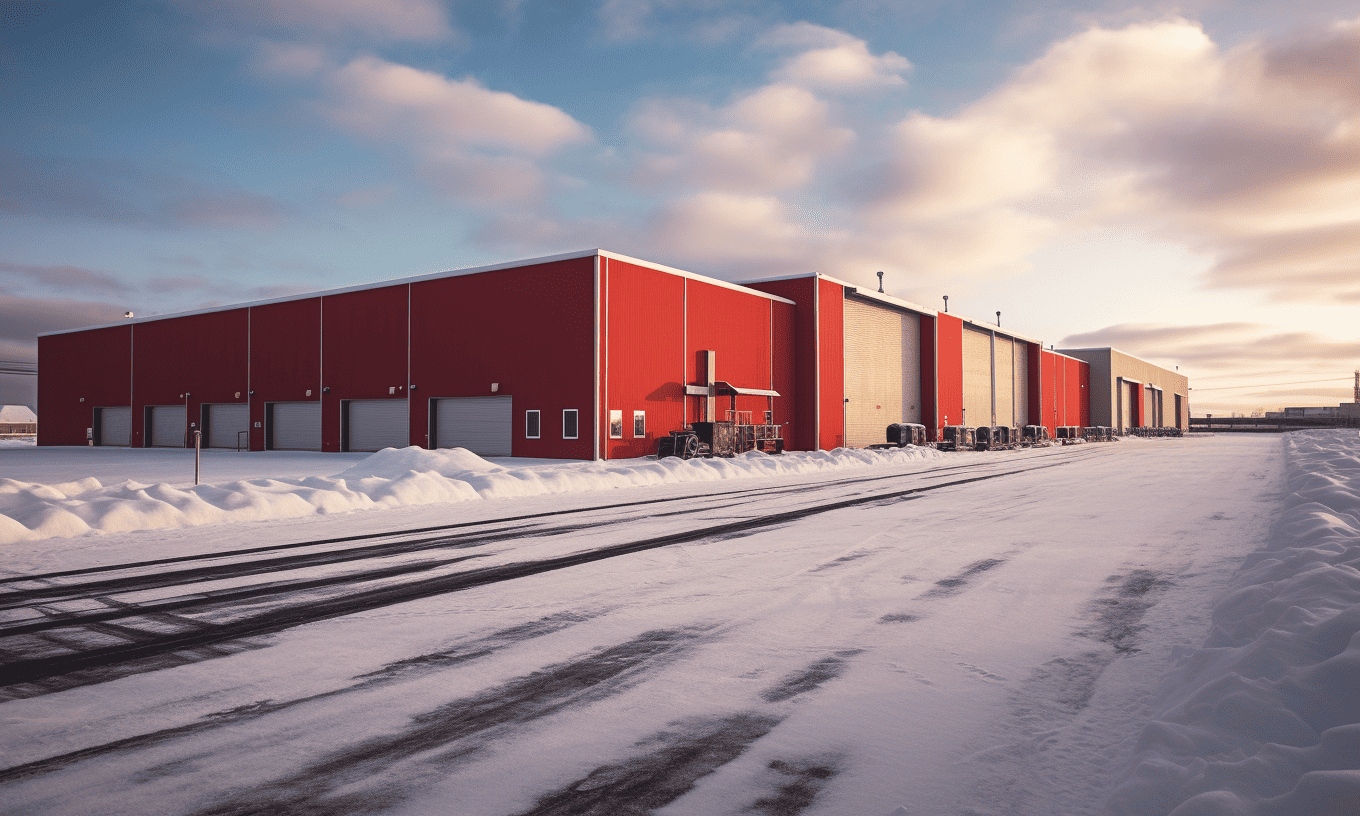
x=1005 y=381
x=1022 y=417
x=977 y=378
x=882 y=371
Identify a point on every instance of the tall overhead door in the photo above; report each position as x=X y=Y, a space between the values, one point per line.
x=483 y=425
x=115 y=426
x=1005 y=381
x=167 y=425
x=294 y=425
x=977 y=377
x=1127 y=394
x=1022 y=416
x=225 y=421
x=882 y=370
x=376 y=424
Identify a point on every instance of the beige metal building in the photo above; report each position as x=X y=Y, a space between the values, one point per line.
x=1128 y=392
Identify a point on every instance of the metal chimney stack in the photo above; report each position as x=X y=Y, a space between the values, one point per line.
x=1357 y=385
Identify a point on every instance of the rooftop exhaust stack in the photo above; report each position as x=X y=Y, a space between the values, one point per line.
x=946 y=304
x=880 y=281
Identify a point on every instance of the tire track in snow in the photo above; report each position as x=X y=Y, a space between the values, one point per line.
x=100 y=660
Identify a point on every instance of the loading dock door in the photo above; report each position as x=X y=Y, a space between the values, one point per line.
x=483 y=425
x=376 y=424
x=225 y=420
x=167 y=425
x=294 y=425
x=115 y=426
x=882 y=370
x=977 y=377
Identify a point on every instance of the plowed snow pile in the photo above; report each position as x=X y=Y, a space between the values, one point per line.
x=1264 y=720
x=389 y=478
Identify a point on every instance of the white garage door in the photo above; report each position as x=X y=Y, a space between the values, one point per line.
x=295 y=425
x=882 y=370
x=225 y=420
x=167 y=426
x=377 y=424
x=115 y=426
x=480 y=424
x=977 y=377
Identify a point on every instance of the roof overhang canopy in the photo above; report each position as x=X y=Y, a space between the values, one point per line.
x=722 y=389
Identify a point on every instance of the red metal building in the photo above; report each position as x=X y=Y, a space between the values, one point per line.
x=584 y=355
x=588 y=355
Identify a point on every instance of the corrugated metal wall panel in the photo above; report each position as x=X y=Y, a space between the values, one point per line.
x=285 y=358
x=203 y=354
x=977 y=377
x=483 y=425
x=882 y=370
x=949 y=374
x=167 y=426
x=98 y=366
x=377 y=424
x=295 y=425
x=225 y=420
x=800 y=404
x=647 y=358
x=1022 y=384
x=115 y=426
x=1005 y=381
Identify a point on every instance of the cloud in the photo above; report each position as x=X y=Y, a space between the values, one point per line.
x=65 y=277
x=385 y=21
x=476 y=144
x=22 y=319
x=832 y=60
x=129 y=193
x=706 y=22
x=770 y=139
x=1224 y=347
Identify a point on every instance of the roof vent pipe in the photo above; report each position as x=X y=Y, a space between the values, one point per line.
x=946 y=304
x=998 y=320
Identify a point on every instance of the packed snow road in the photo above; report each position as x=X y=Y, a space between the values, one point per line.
x=981 y=636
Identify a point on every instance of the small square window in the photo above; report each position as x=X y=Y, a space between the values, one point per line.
x=569 y=424
x=531 y=425
x=639 y=424
x=769 y=417
x=615 y=424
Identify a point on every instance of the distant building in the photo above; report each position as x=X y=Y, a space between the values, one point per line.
x=17 y=420
x=1132 y=393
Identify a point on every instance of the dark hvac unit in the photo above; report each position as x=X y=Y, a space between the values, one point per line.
x=1036 y=436
x=902 y=434
x=957 y=438
x=997 y=437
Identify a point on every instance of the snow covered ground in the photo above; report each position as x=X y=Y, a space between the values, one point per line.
x=1020 y=633
x=62 y=493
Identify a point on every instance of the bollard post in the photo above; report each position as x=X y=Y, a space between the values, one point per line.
x=198 y=449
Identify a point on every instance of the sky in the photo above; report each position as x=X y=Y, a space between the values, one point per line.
x=1178 y=180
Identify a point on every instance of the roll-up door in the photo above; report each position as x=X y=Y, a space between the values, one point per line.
x=167 y=426
x=1127 y=393
x=1022 y=417
x=977 y=377
x=1005 y=381
x=225 y=421
x=376 y=424
x=115 y=426
x=483 y=425
x=1149 y=408
x=882 y=370
x=294 y=425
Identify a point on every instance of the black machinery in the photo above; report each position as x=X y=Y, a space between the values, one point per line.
x=737 y=434
x=957 y=438
x=997 y=437
x=1036 y=436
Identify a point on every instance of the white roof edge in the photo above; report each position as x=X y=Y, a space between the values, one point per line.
x=893 y=301
x=992 y=327
x=451 y=273
x=670 y=270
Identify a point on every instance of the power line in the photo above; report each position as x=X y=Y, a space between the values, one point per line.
x=1272 y=385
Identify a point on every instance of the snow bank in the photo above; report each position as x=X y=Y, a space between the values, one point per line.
x=1264 y=720
x=388 y=478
